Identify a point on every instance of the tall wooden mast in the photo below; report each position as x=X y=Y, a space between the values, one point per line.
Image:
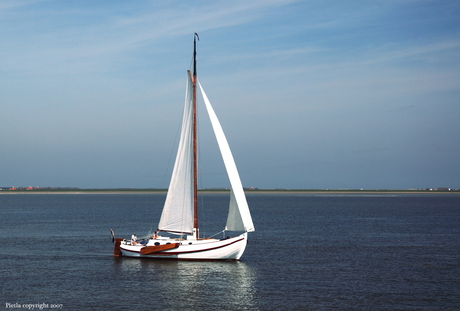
x=195 y=142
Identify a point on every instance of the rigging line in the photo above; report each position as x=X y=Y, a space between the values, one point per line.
x=171 y=154
x=190 y=67
x=147 y=236
x=216 y=234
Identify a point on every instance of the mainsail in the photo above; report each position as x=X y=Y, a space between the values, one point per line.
x=177 y=216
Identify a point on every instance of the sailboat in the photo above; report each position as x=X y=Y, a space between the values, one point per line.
x=178 y=234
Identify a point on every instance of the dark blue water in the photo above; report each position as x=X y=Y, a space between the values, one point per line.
x=346 y=252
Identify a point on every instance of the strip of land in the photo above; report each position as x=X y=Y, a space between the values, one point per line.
x=220 y=190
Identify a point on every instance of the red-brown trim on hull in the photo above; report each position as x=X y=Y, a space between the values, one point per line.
x=158 y=248
x=197 y=251
x=191 y=259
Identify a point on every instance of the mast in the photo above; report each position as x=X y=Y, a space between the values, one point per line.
x=195 y=152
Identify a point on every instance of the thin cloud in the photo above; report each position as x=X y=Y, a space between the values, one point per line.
x=302 y=82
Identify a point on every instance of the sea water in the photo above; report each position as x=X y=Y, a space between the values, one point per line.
x=309 y=252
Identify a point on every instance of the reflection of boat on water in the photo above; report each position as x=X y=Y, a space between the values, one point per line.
x=186 y=285
x=180 y=211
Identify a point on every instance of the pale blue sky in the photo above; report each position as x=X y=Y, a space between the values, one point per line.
x=311 y=94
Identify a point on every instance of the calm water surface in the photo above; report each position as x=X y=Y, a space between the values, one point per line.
x=310 y=252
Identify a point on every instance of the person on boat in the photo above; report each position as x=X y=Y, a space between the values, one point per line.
x=134 y=239
x=155 y=235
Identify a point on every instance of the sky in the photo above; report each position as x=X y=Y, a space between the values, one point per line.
x=311 y=94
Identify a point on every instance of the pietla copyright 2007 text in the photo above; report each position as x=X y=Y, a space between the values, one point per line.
x=33 y=306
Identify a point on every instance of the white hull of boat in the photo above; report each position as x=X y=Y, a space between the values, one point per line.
x=205 y=249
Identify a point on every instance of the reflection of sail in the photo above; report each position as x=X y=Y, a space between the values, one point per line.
x=186 y=285
x=233 y=283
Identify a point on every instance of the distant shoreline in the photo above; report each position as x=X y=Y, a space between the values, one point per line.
x=247 y=191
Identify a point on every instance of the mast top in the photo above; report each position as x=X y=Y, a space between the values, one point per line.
x=194 y=52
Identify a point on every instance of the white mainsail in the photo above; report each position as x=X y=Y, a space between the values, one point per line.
x=239 y=217
x=177 y=216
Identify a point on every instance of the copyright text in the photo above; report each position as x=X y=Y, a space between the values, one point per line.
x=33 y=306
